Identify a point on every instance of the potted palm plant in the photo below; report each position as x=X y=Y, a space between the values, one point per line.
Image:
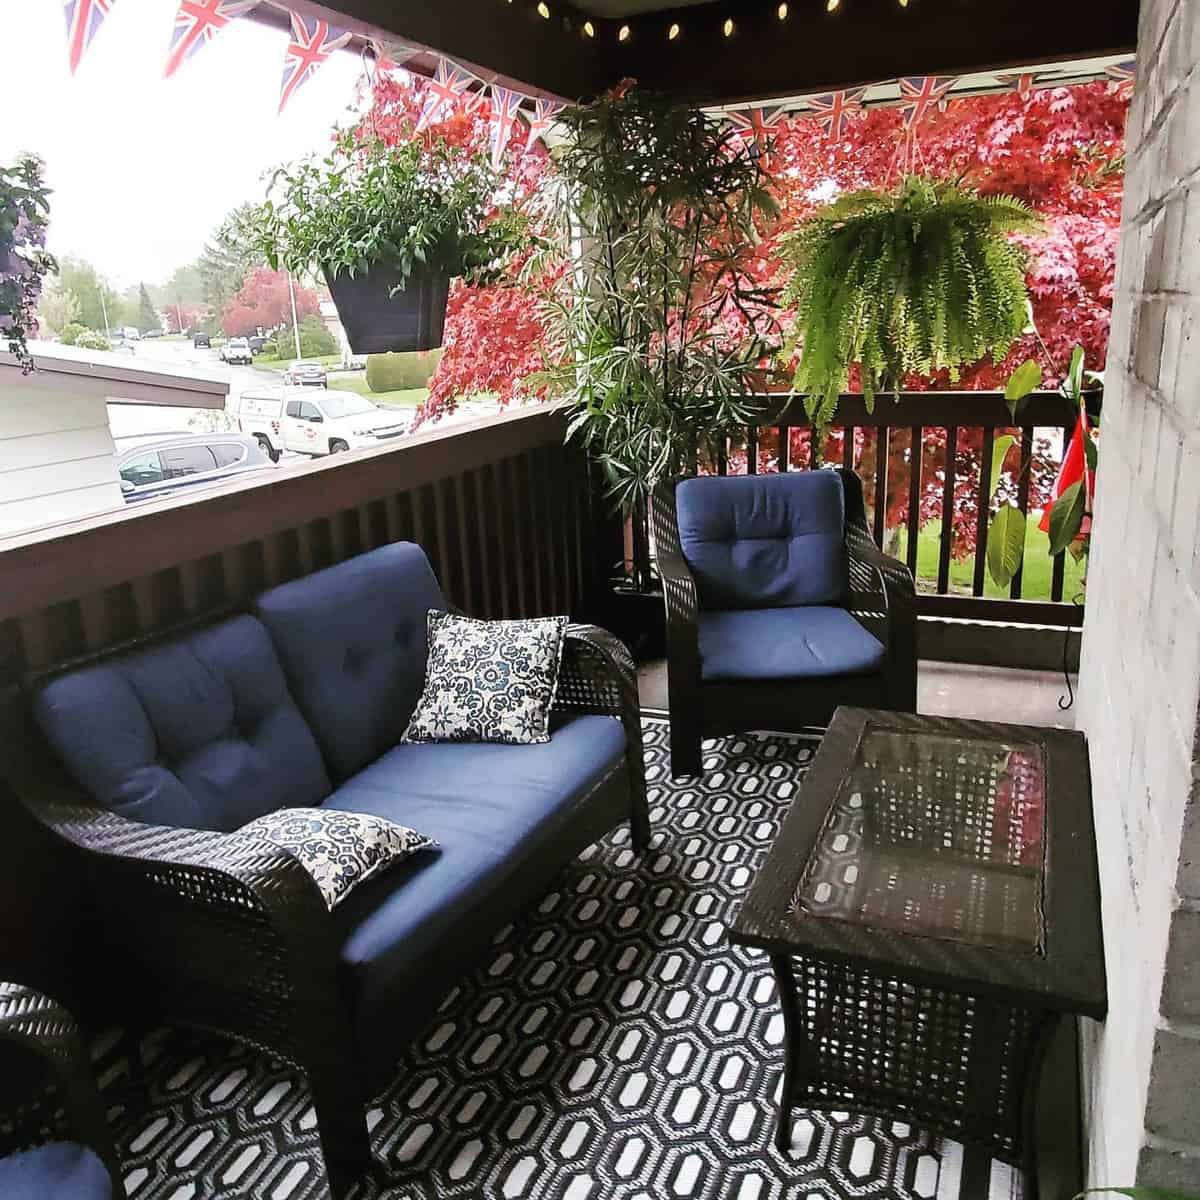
x=660 y=330
x=908 y=282
x=388 y=227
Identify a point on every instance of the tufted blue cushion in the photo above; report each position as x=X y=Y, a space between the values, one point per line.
x=55 y=1171
x=785 y=643
x=764 y=541
x=352 y=642
x=199 y=732
x=491 y=807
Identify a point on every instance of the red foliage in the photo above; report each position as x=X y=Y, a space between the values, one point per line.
x=263 y=303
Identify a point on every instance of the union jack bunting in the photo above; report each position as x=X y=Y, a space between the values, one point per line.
x=84 y=18
x=196 y=24
x=833 y=108
x=756 y=124
x=505 y=105
x=312 y=43
x=449 y=83
x=390 y=55
x=544 y=112
x=919 y=94
x=1122 y=72
x=1021 y=84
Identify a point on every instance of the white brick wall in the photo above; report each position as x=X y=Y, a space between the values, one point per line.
x=1140 y=671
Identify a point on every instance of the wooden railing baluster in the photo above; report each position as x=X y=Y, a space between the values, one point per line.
x=1023 y=499
x=982 y=504
x=882 y=449
x=947 y=533
x=916 y=454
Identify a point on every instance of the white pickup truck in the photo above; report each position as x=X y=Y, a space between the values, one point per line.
x=313 y=422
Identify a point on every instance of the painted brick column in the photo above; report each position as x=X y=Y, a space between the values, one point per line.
x=1140 y=671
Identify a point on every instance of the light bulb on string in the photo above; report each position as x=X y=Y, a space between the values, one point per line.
x=543 y=10
x=673 y=32
x=782 y=12
x=623 y=33
x=589 y=29
x=832 y=5
x=727 y=28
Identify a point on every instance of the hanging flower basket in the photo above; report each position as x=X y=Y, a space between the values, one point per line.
x=380 y=311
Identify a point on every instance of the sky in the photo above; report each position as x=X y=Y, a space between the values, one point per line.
x=143 y=168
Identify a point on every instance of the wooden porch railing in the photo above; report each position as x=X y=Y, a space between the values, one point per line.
x=501 y=506
x=907 y=417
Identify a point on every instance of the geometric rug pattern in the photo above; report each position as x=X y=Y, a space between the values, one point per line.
x=612 y=1046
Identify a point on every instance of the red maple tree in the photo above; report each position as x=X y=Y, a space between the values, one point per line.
x=263 y=302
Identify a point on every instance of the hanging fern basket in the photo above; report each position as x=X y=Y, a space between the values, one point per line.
x=910 y=282
x=378 y=318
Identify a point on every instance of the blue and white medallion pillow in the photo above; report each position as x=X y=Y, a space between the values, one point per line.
x=338 y=849
x=488 y=681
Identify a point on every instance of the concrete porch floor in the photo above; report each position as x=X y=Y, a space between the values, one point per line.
x=947 y=690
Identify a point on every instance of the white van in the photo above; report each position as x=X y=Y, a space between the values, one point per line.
x=314 y=422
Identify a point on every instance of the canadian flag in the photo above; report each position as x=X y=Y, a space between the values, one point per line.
x=1073 y=468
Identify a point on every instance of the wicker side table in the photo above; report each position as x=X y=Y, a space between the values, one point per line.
x=931 y=909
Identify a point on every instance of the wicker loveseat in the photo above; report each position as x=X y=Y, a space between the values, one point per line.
x=158 y=754
x=780 y=607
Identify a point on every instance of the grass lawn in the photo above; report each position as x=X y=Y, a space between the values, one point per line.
x=270 y=360
x=1035 y=576
x=356 y=382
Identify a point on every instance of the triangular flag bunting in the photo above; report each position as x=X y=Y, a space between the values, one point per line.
x=449 y=83
x=312 y=43
x=756 y=124
x=196 y=24
x=505 y=105
x=833 y=108
x=544 y=112
x=919 y=94
x=391 y=55
x=1021 y=84
x=84 y=18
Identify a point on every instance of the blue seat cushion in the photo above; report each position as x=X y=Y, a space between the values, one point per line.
x=55 y=1171
x=491 y=808
x=785 y=643
x=764 y=541
x=199 y=732
x=352 y=641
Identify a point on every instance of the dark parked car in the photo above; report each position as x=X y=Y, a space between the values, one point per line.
x=256 y=344
x=154 y=465
x=201 y=341
x=306 y=373
x=152 y=333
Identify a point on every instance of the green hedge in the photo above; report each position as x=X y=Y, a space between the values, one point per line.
x=394 y=372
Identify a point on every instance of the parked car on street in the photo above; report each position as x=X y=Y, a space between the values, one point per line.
x=152 y=333
x=237 y=350
x=256 y=344
x=153 y=465
x=306 y=373
x=201 y=341
x=315 y=422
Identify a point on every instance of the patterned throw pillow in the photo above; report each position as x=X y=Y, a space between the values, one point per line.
x=488 y=681
x=338 y=849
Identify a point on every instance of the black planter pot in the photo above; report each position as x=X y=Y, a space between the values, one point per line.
x=376 y=321
x=638 y=619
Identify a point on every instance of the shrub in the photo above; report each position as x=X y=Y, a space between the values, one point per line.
x=315 y=340
x=89 y=339
x=392 y=372
x=71 y=332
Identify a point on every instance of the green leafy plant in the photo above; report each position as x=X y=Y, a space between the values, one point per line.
x=658 y=332
x=395 y=372
x=24 y=260
x=1006 y=534
x=913 y=281
x=419 y=204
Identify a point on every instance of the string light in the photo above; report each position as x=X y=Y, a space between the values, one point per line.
x=623 y=33
x=543 y=11
x=832 y=5
x=903 y=3
x=727 y=28
x=673 y=32
x=782 y=12
x=589 y=29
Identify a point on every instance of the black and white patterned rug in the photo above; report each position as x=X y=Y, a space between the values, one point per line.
x=613 y=1047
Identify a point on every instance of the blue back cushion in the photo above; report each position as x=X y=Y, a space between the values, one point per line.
x=352 y=642
x=764 y=541
x=199 y=732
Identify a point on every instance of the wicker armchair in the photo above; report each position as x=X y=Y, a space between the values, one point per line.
x=879 y=595
x=47 y=1095
x=228 y=934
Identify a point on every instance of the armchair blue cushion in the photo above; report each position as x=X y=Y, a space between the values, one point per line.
x=199 y=732
x=55 y=1171
x=352 y=642
x=764 y=541
x=785 y=643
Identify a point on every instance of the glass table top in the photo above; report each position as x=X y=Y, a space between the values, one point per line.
x=937 y=836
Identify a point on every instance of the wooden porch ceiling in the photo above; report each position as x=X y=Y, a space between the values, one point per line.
x=763 y=57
